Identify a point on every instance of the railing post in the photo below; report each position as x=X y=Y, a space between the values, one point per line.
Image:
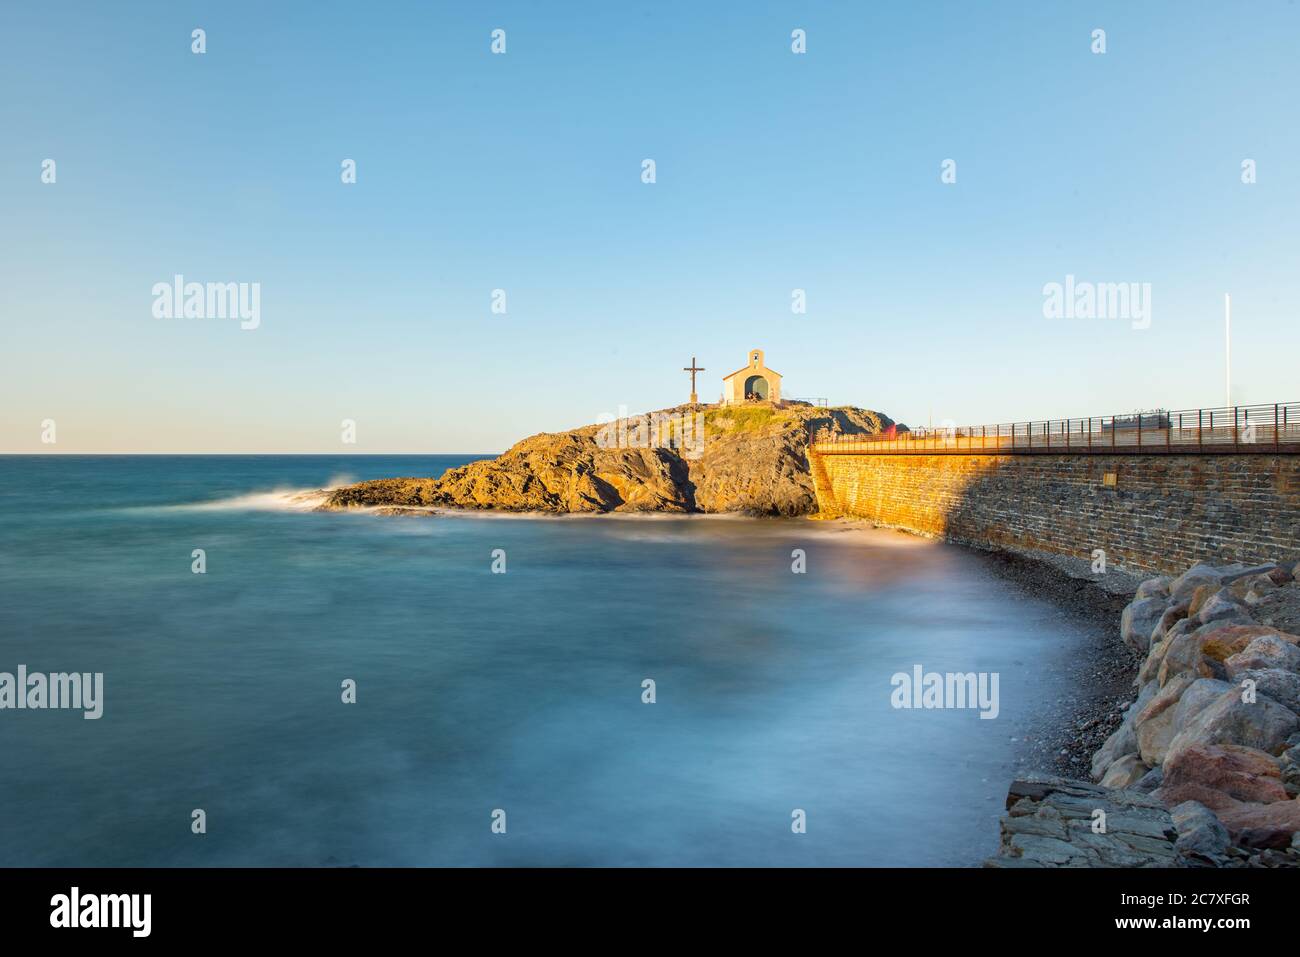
x=1234 y=428
x=1139 y=430
x=1277 y=440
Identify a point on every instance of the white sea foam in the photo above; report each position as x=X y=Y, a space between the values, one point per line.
x=278 y=499
x=274 y=500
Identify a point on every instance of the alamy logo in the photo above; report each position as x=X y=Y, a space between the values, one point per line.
x=179 y=299
x=658 y=430
x=103 y=910
x=36 y=691
x=1098 y=300
x=930 y=689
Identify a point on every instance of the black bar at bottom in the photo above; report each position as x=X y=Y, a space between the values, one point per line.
x=332 y=906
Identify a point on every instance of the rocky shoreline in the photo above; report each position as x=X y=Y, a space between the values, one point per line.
x=1202 y=765
x=750 y=459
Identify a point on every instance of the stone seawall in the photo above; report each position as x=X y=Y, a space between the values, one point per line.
x=1150 y=513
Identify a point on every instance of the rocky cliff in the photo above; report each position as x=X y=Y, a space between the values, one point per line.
x=750 y=459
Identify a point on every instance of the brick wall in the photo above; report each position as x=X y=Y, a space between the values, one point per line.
x=1163 y=513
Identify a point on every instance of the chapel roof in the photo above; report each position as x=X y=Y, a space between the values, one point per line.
x=748 y=368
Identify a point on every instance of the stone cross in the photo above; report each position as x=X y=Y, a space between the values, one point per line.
x=692 y=369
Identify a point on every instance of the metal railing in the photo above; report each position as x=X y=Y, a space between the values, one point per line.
x=1261 y=429
x=819 y=402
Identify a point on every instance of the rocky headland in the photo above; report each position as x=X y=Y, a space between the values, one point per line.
x=750 y=459
x=1203 y=768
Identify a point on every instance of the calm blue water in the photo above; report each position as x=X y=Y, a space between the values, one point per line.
x=478 y=691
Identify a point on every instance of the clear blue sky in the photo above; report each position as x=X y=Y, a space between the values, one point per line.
x=522 y=172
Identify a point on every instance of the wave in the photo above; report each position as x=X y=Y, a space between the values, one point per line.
x=274 y=500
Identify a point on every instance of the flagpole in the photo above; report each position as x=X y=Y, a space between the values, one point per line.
x=1227 y=351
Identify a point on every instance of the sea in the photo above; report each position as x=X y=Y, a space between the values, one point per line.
x=288 y=687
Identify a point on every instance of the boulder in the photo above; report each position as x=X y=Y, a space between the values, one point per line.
x=1227 y=640
x=1183 y=656
x=1200 y=596
x=1174 y=613
x=1223 y=607
x=1290 y=762
x=1264 y=725
x=1154 y=588
x=1154 y=724
x=1211 y=773
x=1229 y=577
x=1282 y=575
x=1124 y=739
x=1121 y=742
x=1199 y=695
x=1127 y=771
x=1202 y=838
x=1202 y=573
x=1266 y=651
x=1149 y=782
x=1252 y=591
x=1150 y=668
x=1282 y=686
x=1138 y=620
x=1263 y=825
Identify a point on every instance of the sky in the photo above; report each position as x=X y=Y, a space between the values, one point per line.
x=523 y=172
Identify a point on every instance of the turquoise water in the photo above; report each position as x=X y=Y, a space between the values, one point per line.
x=477 y=691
